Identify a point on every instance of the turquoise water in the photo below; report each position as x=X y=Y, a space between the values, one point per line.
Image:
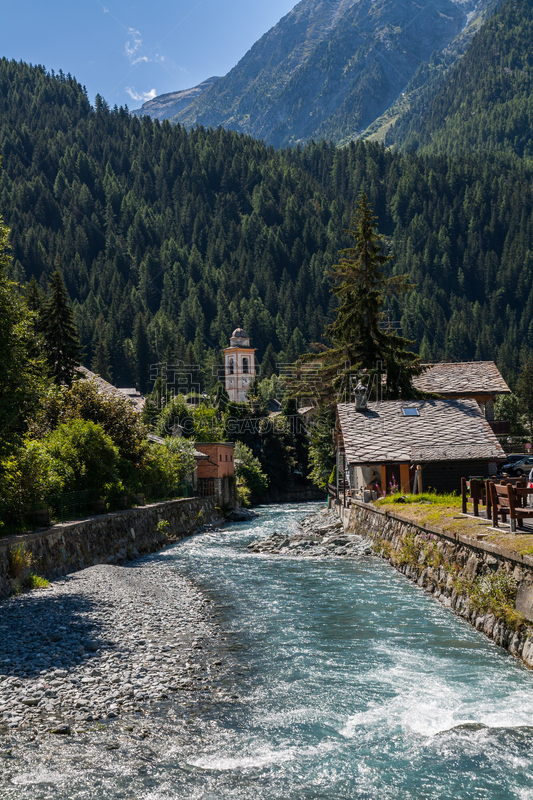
x=358 y=684
x=352 y=684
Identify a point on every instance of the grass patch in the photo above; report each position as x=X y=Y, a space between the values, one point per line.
x=452 y=499
x=35 y=582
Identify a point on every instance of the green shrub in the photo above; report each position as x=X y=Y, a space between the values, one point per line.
x=162 y=526
x=175 y=414
x=85 y=456
x=409 y=551
x=244 y=495
x=168 y=464
x=30 y=476
x=496 y=593
x=85 y=401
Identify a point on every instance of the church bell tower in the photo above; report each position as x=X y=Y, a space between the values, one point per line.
x=239 y=365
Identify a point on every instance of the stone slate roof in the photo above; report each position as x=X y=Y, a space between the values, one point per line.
x=467 y=377
x=445 y=430
x=136 y=399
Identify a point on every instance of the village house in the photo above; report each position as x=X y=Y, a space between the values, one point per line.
x=414 y=446
x=478 y=380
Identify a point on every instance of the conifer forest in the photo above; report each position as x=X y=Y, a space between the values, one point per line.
x=169 y=238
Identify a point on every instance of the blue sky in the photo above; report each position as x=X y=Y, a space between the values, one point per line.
x=131 y=51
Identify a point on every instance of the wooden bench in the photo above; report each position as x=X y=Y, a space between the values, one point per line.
x=509 y=500
x=474 y=491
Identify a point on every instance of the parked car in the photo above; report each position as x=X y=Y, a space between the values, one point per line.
x=518 y=468
x=513 y=458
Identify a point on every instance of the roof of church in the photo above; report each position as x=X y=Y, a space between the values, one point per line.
x=239 y=333
x=460 y=378
x=443 y=430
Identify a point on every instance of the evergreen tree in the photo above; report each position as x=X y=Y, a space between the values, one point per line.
x=61 y=342
x=268 y=362
x=357 y=341
x=34 y=296
x=300 y=436
x=100 y=362
x=524 y=391
x=220 y=396
x=141 y=347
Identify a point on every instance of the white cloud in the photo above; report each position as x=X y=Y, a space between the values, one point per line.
x=141 y=97
x=132 y=47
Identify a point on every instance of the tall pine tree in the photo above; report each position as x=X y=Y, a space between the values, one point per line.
x=357 y=341
x=100 y=362
x=61 y=342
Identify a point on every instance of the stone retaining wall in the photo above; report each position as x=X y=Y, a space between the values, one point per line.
x=108 y=538
x=454 y=562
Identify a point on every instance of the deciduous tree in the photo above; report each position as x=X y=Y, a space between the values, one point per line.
x=22 y=379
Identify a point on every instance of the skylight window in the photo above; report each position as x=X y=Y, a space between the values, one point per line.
x=410 y=412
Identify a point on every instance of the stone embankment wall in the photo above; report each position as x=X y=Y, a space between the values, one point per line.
x=447 y=566
x=109 y=538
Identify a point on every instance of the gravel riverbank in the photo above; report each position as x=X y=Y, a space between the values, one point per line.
x=320 y=534
x=107 y=642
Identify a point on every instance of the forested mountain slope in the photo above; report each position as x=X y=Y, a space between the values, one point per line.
x=329 y=68
x=486 y=102
x=427 y=81
x=168 y=239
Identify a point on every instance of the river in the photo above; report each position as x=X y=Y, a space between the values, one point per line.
x=353 y=683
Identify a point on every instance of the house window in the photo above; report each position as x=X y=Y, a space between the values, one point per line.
x=410 y=412
x=220 y=457
x=245 y=366
x=231 y=366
